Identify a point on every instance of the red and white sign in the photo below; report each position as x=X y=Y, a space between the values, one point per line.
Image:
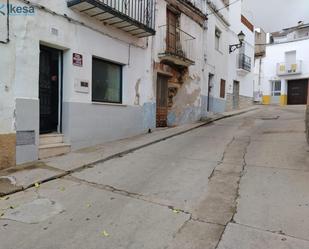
x=77 y=60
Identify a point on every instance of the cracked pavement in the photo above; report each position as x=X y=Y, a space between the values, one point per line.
x=238 y=183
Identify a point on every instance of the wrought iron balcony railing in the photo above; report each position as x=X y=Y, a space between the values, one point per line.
x=244 y=62
x=176 y=46
x=136 y=17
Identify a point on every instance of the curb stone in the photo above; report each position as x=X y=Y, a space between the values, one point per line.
x=124 y=152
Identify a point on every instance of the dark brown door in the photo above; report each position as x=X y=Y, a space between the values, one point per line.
x=222 y=88
x=171 y=38
x=49 y=89
x=162 y=97
x=297 y=92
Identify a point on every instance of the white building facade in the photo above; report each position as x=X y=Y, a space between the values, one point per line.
x=284 y=70
x=230 y=74
x=78 y=73
x=78 y=69
x=241 y=63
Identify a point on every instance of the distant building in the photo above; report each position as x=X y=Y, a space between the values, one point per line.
x=283 y=68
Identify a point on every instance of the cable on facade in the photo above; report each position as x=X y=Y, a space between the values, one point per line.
x=7 y=40
x=226 y=6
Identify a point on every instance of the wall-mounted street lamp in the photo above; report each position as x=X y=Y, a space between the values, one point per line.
x=241 y=38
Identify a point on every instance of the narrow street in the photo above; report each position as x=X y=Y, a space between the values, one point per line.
x=238 y=183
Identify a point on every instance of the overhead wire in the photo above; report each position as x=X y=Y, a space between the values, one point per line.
x=226 y=6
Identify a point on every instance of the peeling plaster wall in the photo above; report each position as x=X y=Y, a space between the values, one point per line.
x=187 y=103
x=21 y=60
x=189 y=84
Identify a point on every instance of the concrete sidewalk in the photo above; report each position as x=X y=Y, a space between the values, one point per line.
x=25 y=176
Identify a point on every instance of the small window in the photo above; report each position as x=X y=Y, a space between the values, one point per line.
x=217 y=39
x=106 y=81
x=222 y=89
x=276 y=88
x=290 y=57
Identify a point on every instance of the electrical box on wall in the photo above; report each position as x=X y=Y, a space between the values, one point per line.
x=81 y=86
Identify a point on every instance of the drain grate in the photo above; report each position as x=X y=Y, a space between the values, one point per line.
x=269 y=117
x=282 y=132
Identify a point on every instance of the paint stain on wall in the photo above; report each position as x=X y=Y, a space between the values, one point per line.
x=137 y=93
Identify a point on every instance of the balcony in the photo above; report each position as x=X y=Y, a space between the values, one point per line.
x=244 y=64
x=176 y=46
x=136 y=17
x=285 y=68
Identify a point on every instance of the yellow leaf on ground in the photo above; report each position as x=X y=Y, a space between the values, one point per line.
x=176 y=211
x=104 y=233
x=37 y=185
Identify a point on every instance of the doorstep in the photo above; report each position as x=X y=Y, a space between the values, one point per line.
x=27 y=175
x=52 y=145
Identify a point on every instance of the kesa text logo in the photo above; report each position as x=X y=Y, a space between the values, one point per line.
x=2 y=9
x=16 y=10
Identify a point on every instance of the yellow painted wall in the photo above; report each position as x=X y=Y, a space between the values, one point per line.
x=266 y=100
x=283 y=100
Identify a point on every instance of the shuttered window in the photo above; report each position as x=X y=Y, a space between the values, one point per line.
x=222 y=89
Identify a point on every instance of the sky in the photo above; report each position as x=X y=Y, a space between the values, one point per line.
x=274 y=15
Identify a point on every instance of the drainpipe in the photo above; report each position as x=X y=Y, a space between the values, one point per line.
x=7 y=40
x=260 y=65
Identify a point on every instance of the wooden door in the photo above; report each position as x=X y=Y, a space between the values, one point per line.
x=222 y=88
x=49 y=89
x=171 y=36
x=297 y=92
x=162 y=100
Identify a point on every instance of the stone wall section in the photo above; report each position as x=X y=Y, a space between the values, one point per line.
x=244 y=102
